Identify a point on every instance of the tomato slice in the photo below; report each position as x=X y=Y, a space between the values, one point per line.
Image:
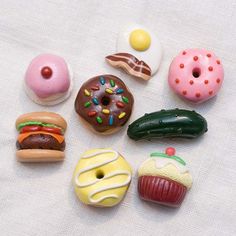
x=51 y=130
x=30 y=128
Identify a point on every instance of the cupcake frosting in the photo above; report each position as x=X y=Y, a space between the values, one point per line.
x=171 y=167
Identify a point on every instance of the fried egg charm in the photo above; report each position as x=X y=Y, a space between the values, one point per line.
x=138 y=52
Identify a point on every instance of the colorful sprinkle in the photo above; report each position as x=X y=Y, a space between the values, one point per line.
x=210 y=92
x=208 y=55
x=181 y=66
x=191 y=82
x=112 y=83
x=99 y=119
x=102 y=80
x=120 y=104
x=184 y=53
x=184 y=92
x=125 y=99
x=206 y=81
x=95 y=88
x=218 y=62
x=122 y=114
x=218 y=80
x=198 y=95
x=195 y=58
x=119 y=91
x=86 y=92
x=95 y=101
x=176 y=81
x=87 y=104
x=106 y=111
x=111 y=120
x=110 y=91
x=210 y=68
x=92 y=113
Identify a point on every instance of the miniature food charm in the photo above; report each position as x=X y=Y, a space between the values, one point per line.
x=102 y=177
x=196 y=75
x=176 y=123
x=105 y=103
x=41 y=137
x=138 y=52
x=164 y=179
x=48 y=80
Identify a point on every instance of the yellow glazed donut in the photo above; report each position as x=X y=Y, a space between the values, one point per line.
x=101 y=177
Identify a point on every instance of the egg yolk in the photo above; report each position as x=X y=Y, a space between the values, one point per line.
x=140 y=40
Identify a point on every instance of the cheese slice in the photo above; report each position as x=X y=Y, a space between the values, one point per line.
x=23 y=136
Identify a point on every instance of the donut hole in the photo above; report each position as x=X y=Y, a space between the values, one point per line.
x=99 y=174
x=105 y=101
x=196 y=72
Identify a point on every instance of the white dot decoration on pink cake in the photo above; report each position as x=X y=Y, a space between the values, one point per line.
x=196 y=75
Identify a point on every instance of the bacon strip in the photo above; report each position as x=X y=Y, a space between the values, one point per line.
x=130 y=64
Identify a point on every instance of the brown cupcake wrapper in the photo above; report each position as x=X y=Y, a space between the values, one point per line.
x=161 y=190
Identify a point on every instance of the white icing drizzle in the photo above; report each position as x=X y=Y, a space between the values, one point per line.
x=162 y=162
x=115 y=173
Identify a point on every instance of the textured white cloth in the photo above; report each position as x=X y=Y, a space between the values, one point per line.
x=38 y=199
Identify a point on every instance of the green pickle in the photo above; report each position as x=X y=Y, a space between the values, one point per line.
x=175 y=123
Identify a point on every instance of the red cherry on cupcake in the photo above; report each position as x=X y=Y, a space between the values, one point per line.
x=170 y=151
x=46 y=72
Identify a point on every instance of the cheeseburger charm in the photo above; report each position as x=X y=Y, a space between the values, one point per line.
x=164 y=179
x=41 y=137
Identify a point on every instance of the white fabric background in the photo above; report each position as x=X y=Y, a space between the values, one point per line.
x=38 y=199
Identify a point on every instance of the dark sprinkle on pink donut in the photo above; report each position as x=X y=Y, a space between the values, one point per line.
x=195 y=58
x=191 y=82
x=198 y=95
x=210 y=92
x=218 y=62
x=184 y=53
x=176 y=81
x=206 y=81
x=181 y=66
x=208 y=55
x=218 y=80
x=184 y=92
x=210 y=68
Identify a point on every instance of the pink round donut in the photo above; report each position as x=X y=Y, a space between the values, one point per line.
x=48 y=79
x=196 y=75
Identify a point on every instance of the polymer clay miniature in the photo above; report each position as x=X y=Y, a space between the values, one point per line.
x=175 y=123
x=196 y=75
x=164 y=179
x=41 y=137
x=105 y=103
x=102 y=177
x=48 y=80
x=138 y=52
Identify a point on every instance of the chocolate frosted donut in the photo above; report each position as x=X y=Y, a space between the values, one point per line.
x=105 y=103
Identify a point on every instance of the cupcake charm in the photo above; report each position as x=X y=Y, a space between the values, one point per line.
x=164 y=179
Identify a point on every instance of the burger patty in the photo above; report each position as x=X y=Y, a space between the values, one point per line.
x=41 y=141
